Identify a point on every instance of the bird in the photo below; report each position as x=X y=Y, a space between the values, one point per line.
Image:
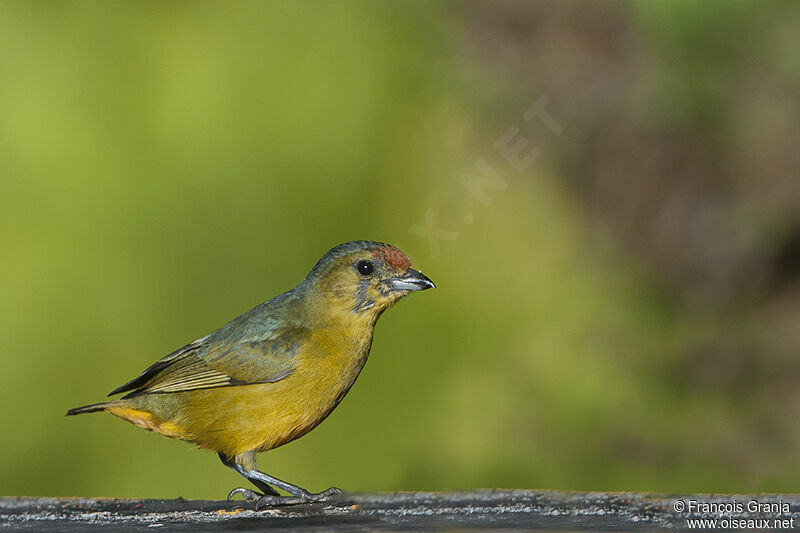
x=274 y=373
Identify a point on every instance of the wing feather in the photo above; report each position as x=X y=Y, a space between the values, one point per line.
x=212 y=362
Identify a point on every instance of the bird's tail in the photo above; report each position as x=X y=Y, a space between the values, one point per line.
x=102 y=406
x=142 y=418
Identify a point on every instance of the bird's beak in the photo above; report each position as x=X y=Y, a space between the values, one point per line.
x=412 y=280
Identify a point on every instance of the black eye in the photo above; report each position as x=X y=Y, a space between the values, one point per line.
x=365 y=268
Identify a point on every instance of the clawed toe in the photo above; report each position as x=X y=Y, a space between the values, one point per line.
x=247 y=494
x=274 y=501
x=308 y=497
x=326 y=494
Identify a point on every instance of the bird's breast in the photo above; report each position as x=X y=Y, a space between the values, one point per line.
x=324 y=375
x=334 y=360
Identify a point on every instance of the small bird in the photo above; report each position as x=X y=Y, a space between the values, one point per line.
x=273 y=374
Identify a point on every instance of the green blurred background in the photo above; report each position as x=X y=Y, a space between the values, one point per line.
x=623 y=313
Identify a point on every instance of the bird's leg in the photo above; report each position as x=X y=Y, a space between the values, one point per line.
x=245 y=464
x=298 y=494
x=248 y=494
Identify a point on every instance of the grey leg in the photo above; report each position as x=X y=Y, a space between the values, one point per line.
x=248 y=494
x=245 y=465
x=298 y=494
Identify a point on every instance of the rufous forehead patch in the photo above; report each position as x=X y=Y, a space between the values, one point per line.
x=393 y=256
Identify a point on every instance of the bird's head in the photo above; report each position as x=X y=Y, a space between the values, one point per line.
x=365 y=277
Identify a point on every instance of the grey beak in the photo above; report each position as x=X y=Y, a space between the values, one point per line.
x=412 y=280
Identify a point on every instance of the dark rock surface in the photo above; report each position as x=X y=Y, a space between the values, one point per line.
x=483 y=509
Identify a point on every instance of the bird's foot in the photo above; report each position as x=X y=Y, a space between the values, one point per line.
x=247 y=494
x=304 y=497
x=325 y=495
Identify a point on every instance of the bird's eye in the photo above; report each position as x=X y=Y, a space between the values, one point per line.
x=365 y=268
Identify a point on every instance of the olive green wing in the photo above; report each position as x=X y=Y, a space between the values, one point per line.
x=212 y=362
